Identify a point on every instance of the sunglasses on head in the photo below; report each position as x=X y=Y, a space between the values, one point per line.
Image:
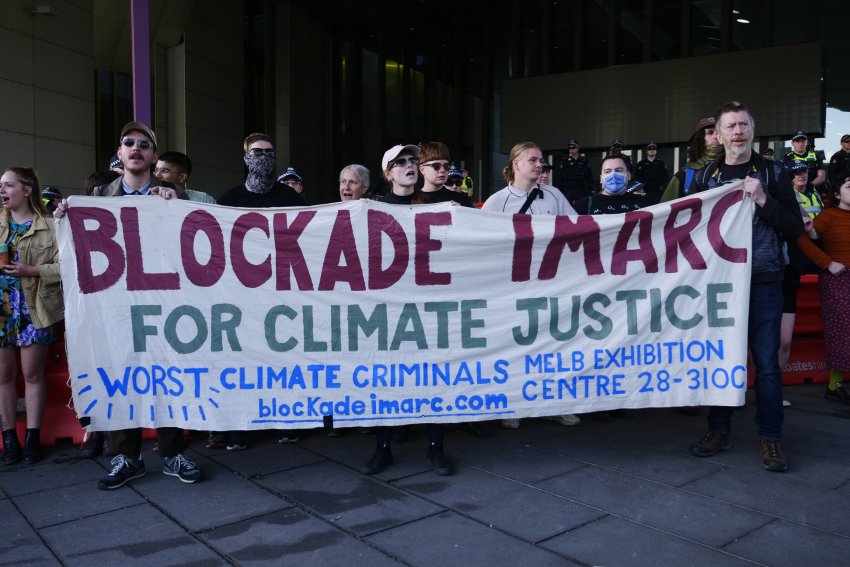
x=401 y=162
x=130 y=142
x=438 y=166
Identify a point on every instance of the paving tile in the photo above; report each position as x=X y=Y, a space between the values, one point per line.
x=778 y=495
x=20 y=544
x=787 y=543
x=60 y=468
x=347 y=498
x=219 y=498
x=140 y=535
x=516 y=508
x=635 y=544
x=291 y=537
x=521 y=462
x=448 y=540
x=263 y=459
x=692 y=516
x=69 y=503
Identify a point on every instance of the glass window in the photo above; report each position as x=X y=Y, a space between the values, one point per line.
x=666 y=29
x=629 y=32
x=561 y=37
x=705 y=27
x=791 y=21
x=594 y=34
x=747 y=24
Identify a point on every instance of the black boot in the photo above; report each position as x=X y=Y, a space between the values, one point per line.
x=12 y=447
x=439 y=461
x=32 y=447
x=92 y=447
x=382 y=458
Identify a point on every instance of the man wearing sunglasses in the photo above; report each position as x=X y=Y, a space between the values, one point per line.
x=137 y=151
x=261 y=189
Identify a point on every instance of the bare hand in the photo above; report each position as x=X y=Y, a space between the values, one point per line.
x=60 y=211
x=164 y=192
x=18 y=270
x=836 y=268
x=754 y=190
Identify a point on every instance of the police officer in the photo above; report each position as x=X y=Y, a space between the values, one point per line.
x=652 y=172
x=840 y=160
x=574 y=177
x=817 y=174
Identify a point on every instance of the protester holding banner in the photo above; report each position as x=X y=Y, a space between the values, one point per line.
x=434 y=164
x=524 y=194
x=398 y=166
x=832 y=227
x=137 y=151
x=353 y=182
x=777 y=217
x=31 y=304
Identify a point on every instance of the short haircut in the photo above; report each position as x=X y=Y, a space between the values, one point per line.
x=429 y=151
x=99 y=178
x=256 y=137
x=733 y=106
x=181 y=160
x=361 y=171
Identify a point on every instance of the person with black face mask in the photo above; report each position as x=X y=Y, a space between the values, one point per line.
x=260 y=189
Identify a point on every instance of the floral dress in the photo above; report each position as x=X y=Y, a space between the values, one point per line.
x=16 y=327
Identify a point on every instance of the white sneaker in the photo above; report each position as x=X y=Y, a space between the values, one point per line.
x=566 y=419
x=510 y=423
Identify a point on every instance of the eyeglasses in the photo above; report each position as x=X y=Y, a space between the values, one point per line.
x=130 y=142
x=401 y=162
x=261 y=151
x=165 y=171
x=456 y=183
x=438 y=165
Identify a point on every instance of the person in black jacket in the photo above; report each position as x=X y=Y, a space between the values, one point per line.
x=776 y=218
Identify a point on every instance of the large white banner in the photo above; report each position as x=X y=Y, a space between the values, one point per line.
x=216 y=318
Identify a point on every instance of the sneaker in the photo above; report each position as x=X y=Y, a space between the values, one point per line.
x=124 y=469
x=382 y=458
x=237 y=441
x=182 y=468
x=772 y=457
x=510 y=423
x=92 y=447
x=711 y=444
x=566 y=419
x=839 y=395
x=216 y=440
x=289 y=437
x=439 y=461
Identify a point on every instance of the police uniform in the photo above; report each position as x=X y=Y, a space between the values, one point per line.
x=574 y=177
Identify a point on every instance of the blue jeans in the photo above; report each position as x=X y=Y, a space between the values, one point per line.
x=763 y=334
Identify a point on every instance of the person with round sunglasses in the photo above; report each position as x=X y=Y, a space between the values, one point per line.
x=435 y=164
x=30 y=306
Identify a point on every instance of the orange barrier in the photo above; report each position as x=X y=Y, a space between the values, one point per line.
x=59 y=421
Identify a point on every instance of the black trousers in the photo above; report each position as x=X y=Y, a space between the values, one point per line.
x=129 y=441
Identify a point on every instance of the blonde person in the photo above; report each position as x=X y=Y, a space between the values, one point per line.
x=525 y=194
x=31 y=305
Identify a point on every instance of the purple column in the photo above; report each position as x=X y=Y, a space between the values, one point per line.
x=141 y=54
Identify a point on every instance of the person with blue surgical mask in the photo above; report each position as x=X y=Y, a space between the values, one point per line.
x=618 y=193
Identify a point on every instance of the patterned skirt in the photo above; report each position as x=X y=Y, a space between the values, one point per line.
x=835 y=314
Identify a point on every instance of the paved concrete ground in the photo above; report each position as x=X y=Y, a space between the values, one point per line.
x=617 y=492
